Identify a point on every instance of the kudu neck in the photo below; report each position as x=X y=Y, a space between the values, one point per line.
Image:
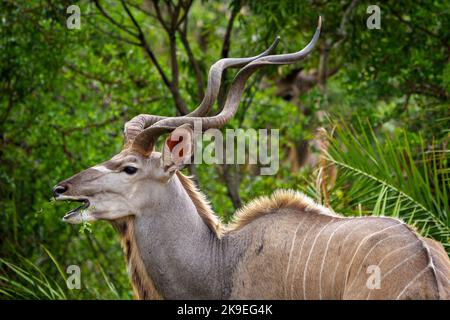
x=181 y=254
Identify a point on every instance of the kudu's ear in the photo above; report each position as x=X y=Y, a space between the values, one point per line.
x=178 y=149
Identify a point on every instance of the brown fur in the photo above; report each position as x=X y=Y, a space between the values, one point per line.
x=439 y=261
x=202 y=204
x=434 y=277
x=433 y=252
x=288 y=199
x=143 y=286
x=280 y=199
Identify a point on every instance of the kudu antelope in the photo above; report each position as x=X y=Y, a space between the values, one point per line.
x=280 y=247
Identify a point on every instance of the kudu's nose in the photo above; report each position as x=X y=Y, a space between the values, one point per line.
x=59 y=190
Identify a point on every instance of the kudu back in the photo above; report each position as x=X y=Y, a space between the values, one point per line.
x=284 y=246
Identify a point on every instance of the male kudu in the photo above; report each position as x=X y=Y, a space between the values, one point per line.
x=280 y=247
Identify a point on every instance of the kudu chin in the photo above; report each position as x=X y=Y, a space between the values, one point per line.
x=283 y=246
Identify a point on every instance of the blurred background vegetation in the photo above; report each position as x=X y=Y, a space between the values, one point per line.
x=364 y=122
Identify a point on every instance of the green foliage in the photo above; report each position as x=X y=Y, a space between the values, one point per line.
x=393 y=175
x=32 y=283
x=28 y=280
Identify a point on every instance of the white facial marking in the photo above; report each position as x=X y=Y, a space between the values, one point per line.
x=102 y=169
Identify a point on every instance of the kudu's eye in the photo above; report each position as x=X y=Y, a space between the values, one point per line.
x=130 y=170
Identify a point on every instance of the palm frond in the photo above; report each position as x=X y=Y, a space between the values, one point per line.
x=394 y=175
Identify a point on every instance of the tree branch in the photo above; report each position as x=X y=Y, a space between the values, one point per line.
x=170 y=28
x=193 y=61
x=186 y=7
x=159 y=16
x=413 y=26
x=114 y=22
x=342 y=31
x=91 y=76
x=226 y=51
x=173 y=87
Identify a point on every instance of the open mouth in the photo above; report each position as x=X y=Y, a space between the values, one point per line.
x=74 y=212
